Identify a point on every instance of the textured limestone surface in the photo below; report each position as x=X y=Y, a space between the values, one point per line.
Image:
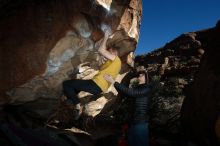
x=43 y=43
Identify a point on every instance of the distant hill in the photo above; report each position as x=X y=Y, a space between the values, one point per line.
x=186 y=70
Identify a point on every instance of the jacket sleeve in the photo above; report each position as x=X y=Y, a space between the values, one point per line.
x=130 y=92
x=128 y=77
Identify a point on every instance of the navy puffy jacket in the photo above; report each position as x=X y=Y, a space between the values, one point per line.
x=140 y=94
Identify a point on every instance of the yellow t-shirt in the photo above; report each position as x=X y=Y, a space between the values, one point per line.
x=110 y=67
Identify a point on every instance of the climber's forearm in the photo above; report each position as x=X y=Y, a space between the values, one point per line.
x=103 y=47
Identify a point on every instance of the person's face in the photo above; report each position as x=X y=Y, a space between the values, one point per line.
x=141 y=78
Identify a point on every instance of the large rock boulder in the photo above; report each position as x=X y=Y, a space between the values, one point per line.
x=200 y=110
x=43 y=42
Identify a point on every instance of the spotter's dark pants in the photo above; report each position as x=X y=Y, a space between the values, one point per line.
x=138 y=135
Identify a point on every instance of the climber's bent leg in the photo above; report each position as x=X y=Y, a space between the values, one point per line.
x=72 y=87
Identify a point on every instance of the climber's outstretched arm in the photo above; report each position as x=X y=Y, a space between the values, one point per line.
x=103 y=48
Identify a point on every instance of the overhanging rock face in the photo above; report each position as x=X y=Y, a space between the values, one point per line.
x=200 y=109
x=42 y=42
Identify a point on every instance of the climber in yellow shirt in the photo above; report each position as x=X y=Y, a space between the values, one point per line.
x=98 y=84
